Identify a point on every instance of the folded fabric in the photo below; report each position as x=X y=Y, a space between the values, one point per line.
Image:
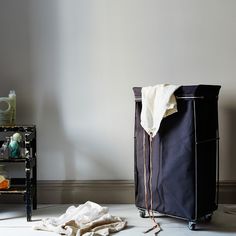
x=157 y=102
x=89 y=219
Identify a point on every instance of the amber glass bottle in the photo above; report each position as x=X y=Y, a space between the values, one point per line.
x=4 y=179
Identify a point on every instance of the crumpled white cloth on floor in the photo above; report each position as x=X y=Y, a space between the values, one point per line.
x=88 y=219
x=157 y=102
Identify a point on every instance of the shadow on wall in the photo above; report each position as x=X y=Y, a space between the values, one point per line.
x=63 y=156
x=228 y=144
x=53 y=139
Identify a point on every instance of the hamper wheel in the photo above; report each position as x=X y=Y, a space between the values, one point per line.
x=208 y=218
x=142 y=213
x=191 y=225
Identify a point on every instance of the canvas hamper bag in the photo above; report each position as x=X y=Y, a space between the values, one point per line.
x=182 y=172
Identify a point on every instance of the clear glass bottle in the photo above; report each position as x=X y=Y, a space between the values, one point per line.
x=12 y=97
x=4 y=178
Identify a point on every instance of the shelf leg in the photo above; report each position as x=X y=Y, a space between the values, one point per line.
x=28 y=192
x=34 y=175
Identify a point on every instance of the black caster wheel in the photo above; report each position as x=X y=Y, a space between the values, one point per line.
x=142 y=213
x=191 y=225
x=208 y=218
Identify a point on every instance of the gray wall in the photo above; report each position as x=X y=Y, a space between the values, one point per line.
x=73 y=65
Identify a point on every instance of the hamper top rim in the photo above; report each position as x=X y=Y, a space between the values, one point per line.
x=189 y=91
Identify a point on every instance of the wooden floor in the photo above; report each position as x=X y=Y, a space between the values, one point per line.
x=13 y=221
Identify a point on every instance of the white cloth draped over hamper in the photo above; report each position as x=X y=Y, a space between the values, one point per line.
x=157 y=102
x=88 y=219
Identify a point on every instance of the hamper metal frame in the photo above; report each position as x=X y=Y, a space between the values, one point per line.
x=193 y=222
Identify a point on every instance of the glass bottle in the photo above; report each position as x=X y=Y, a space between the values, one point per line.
x=4 y=179
x=12 y=97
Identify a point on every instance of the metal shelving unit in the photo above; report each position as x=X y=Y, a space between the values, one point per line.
x=26 y=186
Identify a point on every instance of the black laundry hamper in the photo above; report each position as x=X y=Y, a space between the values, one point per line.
x=183 y=177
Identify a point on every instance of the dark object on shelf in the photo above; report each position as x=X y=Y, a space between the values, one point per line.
x=184 y=170
x=24 y=186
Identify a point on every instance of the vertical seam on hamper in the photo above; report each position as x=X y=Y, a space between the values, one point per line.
x=195 y=158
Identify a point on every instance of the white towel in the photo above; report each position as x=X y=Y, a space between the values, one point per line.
x=157 y=102
x=88 y=219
